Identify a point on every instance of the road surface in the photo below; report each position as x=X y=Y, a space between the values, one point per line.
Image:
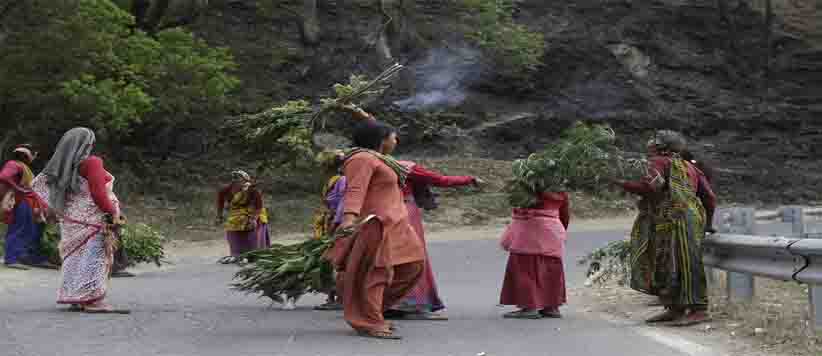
x=188 y=309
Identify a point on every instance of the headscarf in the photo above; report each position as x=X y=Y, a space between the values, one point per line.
x=26 y=151
x=240 y=175
x=669 y=141
x=62 y=170
x=330 y=160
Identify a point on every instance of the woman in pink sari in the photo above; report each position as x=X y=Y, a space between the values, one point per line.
x=79 y=191
x=535 y=279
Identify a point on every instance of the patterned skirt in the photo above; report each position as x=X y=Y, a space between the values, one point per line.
x=240 y=242
x=86 y=273
x=679 y=275
x=643 y=254
x=424 y=296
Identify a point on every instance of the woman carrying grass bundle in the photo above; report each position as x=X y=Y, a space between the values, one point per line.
x=681 y=205
x=26 y=215
x=80 y=191
x=330 y=215
x=534 y=278
x=246 y=227
x=384 y=259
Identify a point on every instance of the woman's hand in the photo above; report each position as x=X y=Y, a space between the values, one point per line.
x=347 y=221
x=616 y=182
x=479 y=182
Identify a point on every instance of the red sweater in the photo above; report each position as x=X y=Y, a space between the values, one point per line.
x=94 y=172
x=419 y=175
x=10 y=177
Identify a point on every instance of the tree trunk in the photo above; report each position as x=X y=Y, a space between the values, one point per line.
x=390 y=30
x=767 y=36
x=139 y=9
x=158 y=13
x=309 y=23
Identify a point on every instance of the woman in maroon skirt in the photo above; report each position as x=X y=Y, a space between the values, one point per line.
x=535 y=279
x=423 y=302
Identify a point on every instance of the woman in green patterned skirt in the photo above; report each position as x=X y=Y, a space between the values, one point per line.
x=676 y=210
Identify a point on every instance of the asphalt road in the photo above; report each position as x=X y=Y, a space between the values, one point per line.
x=189 y=310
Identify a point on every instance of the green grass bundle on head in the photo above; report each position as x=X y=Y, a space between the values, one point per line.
x=290 y=128
x=581 y=160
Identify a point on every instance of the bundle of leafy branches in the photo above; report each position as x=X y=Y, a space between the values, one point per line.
x=290 y=128
x=611 y=262
x=286 y=270
x=581 y=160
x=141 y=242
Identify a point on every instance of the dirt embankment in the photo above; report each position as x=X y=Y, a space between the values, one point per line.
x=638 y=65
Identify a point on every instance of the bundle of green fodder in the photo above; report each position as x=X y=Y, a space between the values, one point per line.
x=292 y=269
x=287 y=270
x=607 y=263
x=141 y=242
x=291 y=127
x=583 y=159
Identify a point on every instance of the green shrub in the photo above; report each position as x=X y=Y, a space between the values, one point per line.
x=517 y=50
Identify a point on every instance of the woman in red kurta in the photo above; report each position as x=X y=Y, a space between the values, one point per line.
x=423 y=302
x=26 y=218
x=535 y=279
x=384 y=260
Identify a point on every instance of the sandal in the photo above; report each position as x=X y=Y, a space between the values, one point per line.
x=691 y=319
x=74 y=308
x=394 y=314
x=384 y=335
x=19 y=266
x=666 y=316
x=228 y=260
x=523 y=314
x=329 y=306
x=425 y=316
x=44 y=265
x=123 y=274
x=551 y=313
x=104 y=309
x=656 y=303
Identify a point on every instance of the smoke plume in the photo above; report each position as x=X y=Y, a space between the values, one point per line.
x=442 y=78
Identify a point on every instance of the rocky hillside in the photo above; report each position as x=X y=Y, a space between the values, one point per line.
x=639 y=65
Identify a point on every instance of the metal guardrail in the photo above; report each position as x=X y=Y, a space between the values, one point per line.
x=743 y=254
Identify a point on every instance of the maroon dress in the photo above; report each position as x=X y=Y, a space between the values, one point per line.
x=534 y=277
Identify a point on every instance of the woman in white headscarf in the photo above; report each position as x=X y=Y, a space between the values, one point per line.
x=79 y=191
x=246 y=227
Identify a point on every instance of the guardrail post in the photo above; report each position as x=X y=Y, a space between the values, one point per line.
x=814 y=291
x=815 y=302
x=796 y=216
x=741 y=285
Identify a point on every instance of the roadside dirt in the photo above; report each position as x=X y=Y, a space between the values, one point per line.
x=773 y=325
